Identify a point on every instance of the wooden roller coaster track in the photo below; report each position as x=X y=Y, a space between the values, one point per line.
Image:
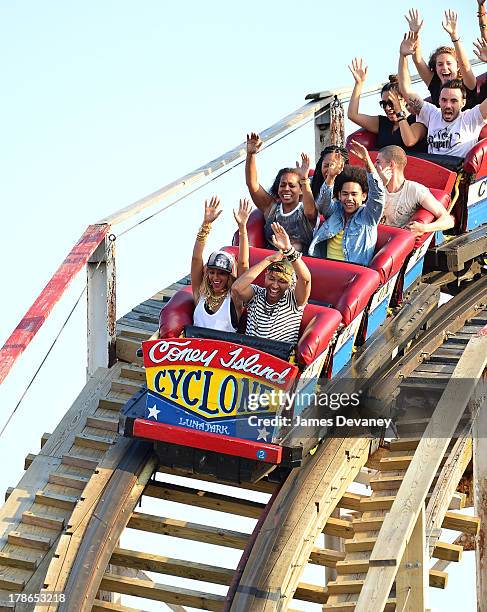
x=64 y=524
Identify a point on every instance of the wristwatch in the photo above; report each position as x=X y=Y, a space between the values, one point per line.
x=401 y=115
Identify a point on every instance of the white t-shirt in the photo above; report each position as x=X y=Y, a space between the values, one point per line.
x=401 y=204
x=454 y=137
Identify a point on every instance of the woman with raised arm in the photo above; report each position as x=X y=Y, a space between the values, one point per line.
x=211 y=283
x=397 y=126
x=282 y=203
x=445 y=63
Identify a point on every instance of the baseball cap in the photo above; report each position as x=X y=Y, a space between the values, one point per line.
x=220 y=260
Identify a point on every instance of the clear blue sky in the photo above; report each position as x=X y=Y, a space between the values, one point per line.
x=104 y=102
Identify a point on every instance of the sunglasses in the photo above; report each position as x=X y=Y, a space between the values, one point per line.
x=386 y=104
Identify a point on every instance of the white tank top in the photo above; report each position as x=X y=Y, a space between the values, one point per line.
x=221 y=319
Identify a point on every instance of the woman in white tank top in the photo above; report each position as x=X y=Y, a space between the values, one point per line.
x=211 y=284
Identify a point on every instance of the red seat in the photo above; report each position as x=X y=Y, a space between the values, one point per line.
x=344 y=286
x=255 y=231
x=393 y=246
x=424 y=216
x=318 y=324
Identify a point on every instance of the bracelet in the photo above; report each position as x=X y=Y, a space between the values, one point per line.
x=203 y=232
x=483 y=25
x=292 y=258
x=456 y=40
x=304 y=181
x=401 y=119
x=288 y=251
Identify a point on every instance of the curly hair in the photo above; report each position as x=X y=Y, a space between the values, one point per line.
x=275 y=185
x=318 y=178
x=440 y=51
x=351 y=174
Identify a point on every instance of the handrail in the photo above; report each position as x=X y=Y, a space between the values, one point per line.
x=37 y=314
x=299 y=115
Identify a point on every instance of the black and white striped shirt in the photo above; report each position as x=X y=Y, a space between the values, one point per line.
x=279 y=321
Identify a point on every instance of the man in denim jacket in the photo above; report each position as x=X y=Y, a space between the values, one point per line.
x=349 y=232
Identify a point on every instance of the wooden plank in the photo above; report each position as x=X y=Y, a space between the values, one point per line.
x=401 y=520
x=43 y=520
x=127 y=349
x=461 y=522
x=326 y=557
x=447 y=551
x=386 y=483
x=344 y=587
x=377 y=503
x=17 y=538
x=353 y=566
x=437 y=579
x=68 y=480
x=67 y=502
x=350 y=606
x=404 y=444
x=338 y=528
x=111 y=404
x=204 y=499
x=91 y=441
x=351 y=501
x=102 y=423
x=395 y=463
x=109 y=606
x=360 y=545
x=173 y=567
x=445 y=488
x=80 y=461
x=12 y=584
x=125 y=385
x=189 y=531
x=10 y=559
x=311 y=593
x=161 y=592
x=28 y=460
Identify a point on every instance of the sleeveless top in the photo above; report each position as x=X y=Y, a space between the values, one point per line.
x=295 y=223
x=221 y=319
x=387 y=136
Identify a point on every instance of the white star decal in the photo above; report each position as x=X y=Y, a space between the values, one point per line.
x=263 y=433
x=153 y=412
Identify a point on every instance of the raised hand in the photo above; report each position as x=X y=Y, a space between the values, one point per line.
x=335 y=166
x=280 y=238
x=414 y=20
x=408 y=44
x=398 y=102
x=481 y=50
x=359 y=70
x=359 y=150
x=303 y=168
x=253 y=143
x=450 y=24
x=212 y=209
x=481 y=2
x=242 y=214
x=385 y=174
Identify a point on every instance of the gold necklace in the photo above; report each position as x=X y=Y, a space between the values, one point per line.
x=214 y=301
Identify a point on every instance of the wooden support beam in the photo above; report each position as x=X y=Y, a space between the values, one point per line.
x=401 y=520
x=461 y=522
x=480 y=501
x=161 y=592
x=412 y=575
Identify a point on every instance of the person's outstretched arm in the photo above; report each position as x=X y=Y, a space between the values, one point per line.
x=410 y=134
x=241 y=217
x=443 y=220
x=280 y=240
x=212 y=212
x=259 y=195
x=309 y=205
x=481 y=49
x=415 y=24
x=450 y=25
x=368 y=122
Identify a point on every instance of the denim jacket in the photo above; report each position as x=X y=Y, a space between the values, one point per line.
x=360 y=234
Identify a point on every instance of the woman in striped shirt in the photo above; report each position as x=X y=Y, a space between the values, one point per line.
x=275 y=310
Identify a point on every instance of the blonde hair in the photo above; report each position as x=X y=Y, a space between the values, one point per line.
x=205 y=288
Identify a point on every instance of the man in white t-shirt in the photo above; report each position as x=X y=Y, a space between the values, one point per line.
x=404 y=197
x=451 y=130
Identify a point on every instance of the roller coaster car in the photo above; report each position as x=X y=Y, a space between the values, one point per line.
x=222 y=403
x=465 y=181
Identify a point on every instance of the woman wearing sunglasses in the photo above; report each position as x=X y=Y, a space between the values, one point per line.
x=397 y=126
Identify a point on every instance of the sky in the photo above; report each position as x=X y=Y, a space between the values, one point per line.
x=104 y=102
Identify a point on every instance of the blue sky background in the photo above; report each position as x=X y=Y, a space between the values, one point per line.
x=104 y=102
